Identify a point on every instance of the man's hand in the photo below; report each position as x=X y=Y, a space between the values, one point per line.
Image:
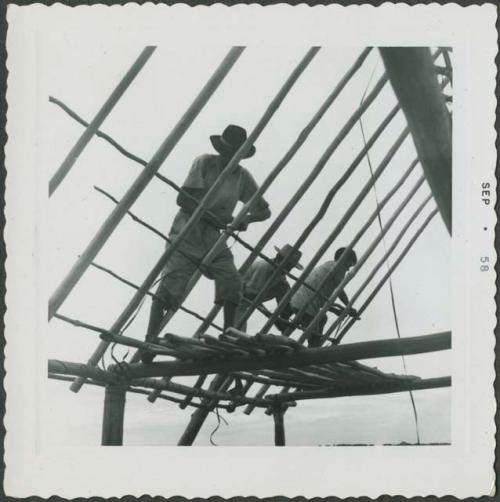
x=241 y=226
x=354 y=313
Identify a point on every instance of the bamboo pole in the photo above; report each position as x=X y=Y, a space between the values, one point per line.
x=133 y=390
x=365 y=390
x=78 y=369
x=321 y=355
x=113 y=415
x=140 y=184
x=185 y=390
x=250 y=377
x=415 y=84
x=106 y=108
x=379 y=264
x=391 y=270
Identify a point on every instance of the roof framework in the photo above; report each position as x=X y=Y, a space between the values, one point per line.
x=271 y=361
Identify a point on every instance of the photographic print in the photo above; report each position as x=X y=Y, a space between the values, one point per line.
x=247 y=242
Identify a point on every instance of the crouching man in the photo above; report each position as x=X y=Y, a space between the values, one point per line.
x=334 y=271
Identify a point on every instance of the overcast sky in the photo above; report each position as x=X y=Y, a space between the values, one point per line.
x=140 y=121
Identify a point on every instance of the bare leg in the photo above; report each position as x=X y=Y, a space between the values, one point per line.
x=155 y=317
x=230 y=309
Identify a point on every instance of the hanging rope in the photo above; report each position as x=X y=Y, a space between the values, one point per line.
x=219 y=418
x=391 y=288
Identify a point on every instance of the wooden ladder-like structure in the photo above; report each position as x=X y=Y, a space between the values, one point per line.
x=266 y=359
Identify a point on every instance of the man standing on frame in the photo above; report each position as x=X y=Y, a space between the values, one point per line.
x=240 y=186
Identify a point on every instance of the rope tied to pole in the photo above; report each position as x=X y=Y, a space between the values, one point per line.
x=219 y=419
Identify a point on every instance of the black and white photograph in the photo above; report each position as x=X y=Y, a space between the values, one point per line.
x=252 y=243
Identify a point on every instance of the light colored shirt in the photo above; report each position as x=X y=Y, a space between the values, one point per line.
x=303 y=295
x=256 y=277
x=238 y=186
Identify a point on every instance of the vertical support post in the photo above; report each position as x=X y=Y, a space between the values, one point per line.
x=106 y=108
x=198 y=418
x=413 y=78
x=278 y=411
x=113 y=414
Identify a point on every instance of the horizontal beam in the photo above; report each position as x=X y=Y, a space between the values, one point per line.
x=81 y=370
x=56 y=367
x=335 y=354
x=365 y=389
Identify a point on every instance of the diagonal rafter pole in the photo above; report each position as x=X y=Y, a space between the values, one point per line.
x=200 y=209
x=141 y=182
x=106 y=108
x=412 y=76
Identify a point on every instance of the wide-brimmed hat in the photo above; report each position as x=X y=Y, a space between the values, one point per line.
x=229 y=142
x=288 y=250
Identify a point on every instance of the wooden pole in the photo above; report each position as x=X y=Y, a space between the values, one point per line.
x=412 y=75
x=78 y=369
x=365 y=389
x=106 y=108
x=322 y=355
x=279 y=424
x=141 y=182
x=113 y=414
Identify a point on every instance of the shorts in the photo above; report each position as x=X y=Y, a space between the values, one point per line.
x=314 y=337
x=179 y=269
